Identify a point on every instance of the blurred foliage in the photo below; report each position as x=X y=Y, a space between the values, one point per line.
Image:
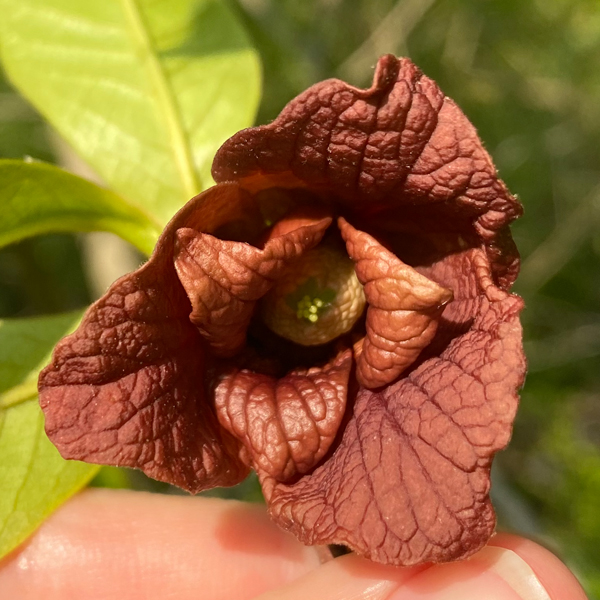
x=526 y=74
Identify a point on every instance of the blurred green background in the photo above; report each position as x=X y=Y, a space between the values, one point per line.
x=527 y=75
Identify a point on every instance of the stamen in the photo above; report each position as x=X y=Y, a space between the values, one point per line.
x=309 y=301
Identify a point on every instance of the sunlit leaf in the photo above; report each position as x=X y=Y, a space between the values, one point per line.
x=34 y=479
x=37 y=198
x=144 y=90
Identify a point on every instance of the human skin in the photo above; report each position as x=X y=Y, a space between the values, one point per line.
x=106 y=544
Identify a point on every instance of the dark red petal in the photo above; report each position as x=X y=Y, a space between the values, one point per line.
x=224 y=279
x=127 y=387
x=286 y=425
x=409 y=481
x=404 y=308
x=400 y=146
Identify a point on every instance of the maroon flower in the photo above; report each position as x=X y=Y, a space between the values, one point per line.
x=334 y=313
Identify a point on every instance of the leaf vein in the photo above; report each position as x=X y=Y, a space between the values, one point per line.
x=166 y=99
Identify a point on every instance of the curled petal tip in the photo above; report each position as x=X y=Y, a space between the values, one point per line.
x=386 y=73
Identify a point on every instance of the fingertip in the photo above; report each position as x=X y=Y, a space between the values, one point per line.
x=346 y=577
x=509 y=568
x=555 y=577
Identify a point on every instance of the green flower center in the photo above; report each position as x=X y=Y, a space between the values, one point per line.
x=316 y=300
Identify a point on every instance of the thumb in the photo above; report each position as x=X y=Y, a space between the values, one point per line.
x=510 y=568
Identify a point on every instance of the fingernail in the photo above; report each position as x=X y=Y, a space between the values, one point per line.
x=493 y=573
x=515 y=571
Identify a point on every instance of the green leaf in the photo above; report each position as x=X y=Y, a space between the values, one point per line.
x=38 y=198
x=144 y=90
x=34 y=479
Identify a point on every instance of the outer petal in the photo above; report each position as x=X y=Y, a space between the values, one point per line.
x=286 y=425
x=127 y=387
x=224 y=279
x=409 y=481
x=400 y=148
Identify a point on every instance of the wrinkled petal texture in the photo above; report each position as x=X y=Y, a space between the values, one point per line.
x=288 y=424
x=127 y=387
x=409 y=481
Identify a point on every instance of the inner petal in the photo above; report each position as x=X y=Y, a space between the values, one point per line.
x=403 y=313
x=224 y=279
x=286 y=425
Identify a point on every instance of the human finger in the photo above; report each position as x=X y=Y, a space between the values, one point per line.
x=106 y=544
x=552 y=573
x=511 y=569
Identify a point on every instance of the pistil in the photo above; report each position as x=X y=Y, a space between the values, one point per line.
x=317 y=299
